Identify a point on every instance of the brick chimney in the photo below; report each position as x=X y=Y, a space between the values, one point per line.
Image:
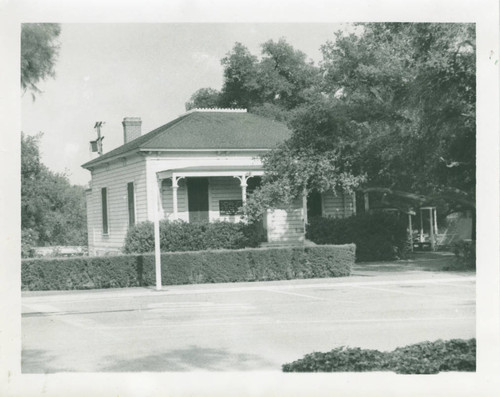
x=131 y=128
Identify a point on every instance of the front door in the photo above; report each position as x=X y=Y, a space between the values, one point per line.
x=197 y=199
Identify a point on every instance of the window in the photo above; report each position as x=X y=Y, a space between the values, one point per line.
x=230 y=207
x=131 y=203
x=104 y=204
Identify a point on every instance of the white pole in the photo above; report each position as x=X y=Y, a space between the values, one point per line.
x=435 y=221
x=421 y=227
x=410 y=231
x=157 y=239
x=431 y=228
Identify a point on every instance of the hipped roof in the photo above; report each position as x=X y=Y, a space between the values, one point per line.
x=207 y=130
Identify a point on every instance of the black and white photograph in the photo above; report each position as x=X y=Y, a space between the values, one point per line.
x=231 y=206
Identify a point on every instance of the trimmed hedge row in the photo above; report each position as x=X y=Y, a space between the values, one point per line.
x=378 y=236
x=420 y=358
x=188 y=267
x=465 y=254
x=183 y=236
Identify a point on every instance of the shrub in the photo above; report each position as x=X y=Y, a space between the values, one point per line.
x=79 y=273
x=420 y=358
x=378 y=236
x=217 y=266
x=465 y=253
x=182 y=236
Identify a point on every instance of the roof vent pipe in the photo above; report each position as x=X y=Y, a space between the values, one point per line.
x=131 y=128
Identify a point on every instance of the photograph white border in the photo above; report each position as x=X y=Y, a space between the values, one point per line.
x=484 y=382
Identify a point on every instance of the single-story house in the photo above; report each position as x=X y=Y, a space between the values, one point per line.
x=200 y=167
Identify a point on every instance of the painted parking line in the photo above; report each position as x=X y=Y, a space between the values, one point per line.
x=228 y=289
x=253 y=321
x=295 y=294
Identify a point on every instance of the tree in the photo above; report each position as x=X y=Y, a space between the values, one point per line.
x=270 y=86
x=413 y=88
x=52 y=210
x=204 y=98
x=39 y=51
x=394 y=111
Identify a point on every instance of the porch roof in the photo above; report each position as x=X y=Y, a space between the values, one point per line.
x=218 y=170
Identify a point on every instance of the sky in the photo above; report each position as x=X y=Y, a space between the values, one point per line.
x=106 y=72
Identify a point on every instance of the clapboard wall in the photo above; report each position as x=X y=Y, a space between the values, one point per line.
x=115 y=178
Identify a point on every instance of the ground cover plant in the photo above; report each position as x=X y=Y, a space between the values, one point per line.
x=420 y=358
x=212 y=266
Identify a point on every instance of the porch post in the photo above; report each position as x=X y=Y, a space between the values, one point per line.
x=174 y=195
x=410 y=232
x=304 y=207
x=244 y=189
x=431 y=227
x=157 y=235
x=435 y=221
x=367 y=201
x=421 y=227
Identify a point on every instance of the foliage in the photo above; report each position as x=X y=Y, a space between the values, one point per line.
x=420 y=358
x=405 y=97
x=28 y=242
x=392 y=106
x=378 y=236
x=39 y=51
x=204 y=98
x=52 y=210
x=270 y=86
x=183 y=236
x=187 y=267
x=465 y=253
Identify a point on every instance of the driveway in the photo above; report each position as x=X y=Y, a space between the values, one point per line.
x=245 y=326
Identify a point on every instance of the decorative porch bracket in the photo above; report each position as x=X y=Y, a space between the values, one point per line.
x=243 y=183
x=175 y=186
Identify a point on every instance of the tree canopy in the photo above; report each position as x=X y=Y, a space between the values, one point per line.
x=52 y=210
x=270 y=86
x=39 y=51
x=390 y=108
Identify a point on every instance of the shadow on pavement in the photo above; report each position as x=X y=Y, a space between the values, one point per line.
x=35 y=361
x=421 y=261
x=189 y=359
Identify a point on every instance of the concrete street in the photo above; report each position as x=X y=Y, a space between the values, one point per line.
x=244 y=326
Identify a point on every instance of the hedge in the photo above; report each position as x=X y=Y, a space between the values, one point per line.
x=183 y=236
x=420 y=358
x=378 y=236
x=217 y=266
x=465 y=254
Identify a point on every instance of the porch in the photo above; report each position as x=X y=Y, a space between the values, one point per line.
x=207 y=194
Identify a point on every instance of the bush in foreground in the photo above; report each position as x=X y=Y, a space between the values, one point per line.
x=378 y=236
x=183 y=236
x=420 y=358
x=217 y=266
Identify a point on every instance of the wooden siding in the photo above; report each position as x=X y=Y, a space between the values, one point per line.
x=115 y=178
x=285 y=226
x=338 y=205
x=223 y=188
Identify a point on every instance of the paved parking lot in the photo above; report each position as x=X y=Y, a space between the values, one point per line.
x=242 y=326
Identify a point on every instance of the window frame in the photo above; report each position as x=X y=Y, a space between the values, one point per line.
x=132 y=216
x=104 y=211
